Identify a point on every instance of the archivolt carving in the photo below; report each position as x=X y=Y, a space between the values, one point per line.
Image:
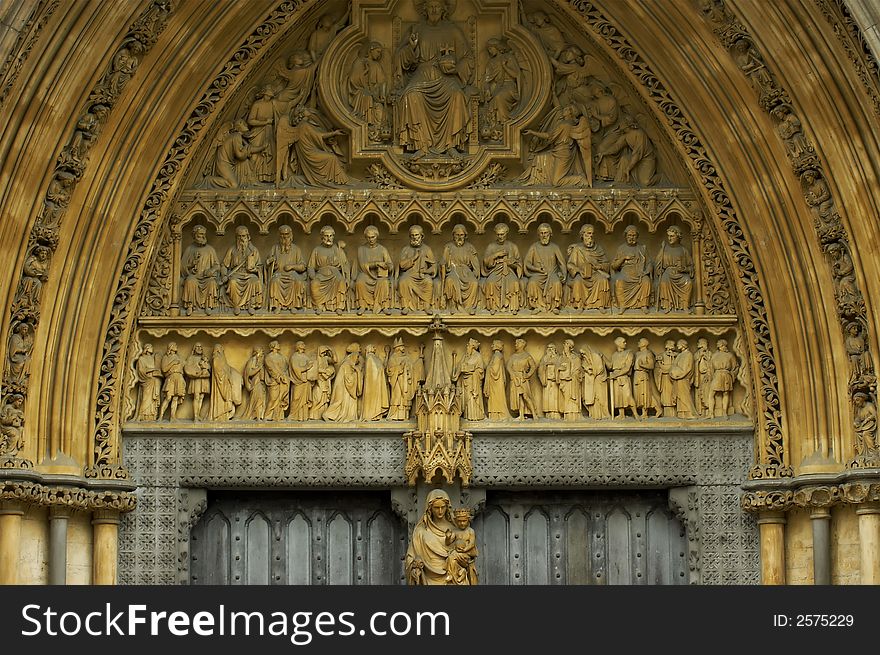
x=28 y=35
x=71 y=163
x=830 y=230
x=857 y=49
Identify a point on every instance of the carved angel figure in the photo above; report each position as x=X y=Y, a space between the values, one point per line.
x=368 y=91
x=562 y=156
x=314 y=157
x=501 y=88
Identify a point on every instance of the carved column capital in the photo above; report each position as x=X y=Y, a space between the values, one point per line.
x=815 y=497
x=767 y=501
x=859 y=493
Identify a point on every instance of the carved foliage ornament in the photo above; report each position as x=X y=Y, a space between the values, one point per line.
x=830 y=230
x=43 y=239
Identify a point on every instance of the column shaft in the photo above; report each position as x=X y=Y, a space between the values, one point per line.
x=869 y=538
x=820 y=519
x=105 y=531
x=772 y=534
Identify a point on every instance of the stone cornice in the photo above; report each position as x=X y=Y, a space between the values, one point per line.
x=45 y=490
x=812 y=491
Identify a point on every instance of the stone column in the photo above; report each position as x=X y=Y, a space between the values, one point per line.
x=58 y=517
x=869 y=538
x=820 y=520
x=105 y=526
x=10 y=540
x=771 y=525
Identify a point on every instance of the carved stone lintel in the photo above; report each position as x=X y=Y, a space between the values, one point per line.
x=685 y=504
x=192 y=504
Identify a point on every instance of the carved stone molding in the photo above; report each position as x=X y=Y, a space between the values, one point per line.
x=685 y=504
x=69 y=169
x=191 y=506
x=27 y=37
x=761 y=501
x=85 y=500
x=857 y=49
x=831 y=232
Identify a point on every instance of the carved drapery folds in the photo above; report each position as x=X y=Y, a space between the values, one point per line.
x=434 y=96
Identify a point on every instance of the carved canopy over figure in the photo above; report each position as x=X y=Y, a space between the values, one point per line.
x=432 y=546
x=589 y=273
x=432 y=66
x=545 y=269
x=502 y=270
x=674 y=271
x=460 y=272
x=199 y=268
x=417 y=269
x=328 y=273
x=371 y=272
x=287 y=276
x=243 y=274
x=564 y=158
x=632 y=281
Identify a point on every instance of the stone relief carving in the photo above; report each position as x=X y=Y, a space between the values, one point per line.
x=148 y=218
x=571 y=380
x=415 y=280
x=830 y=230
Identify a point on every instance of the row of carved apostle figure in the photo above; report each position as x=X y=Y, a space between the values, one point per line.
x=368 y=280
x=361 y=385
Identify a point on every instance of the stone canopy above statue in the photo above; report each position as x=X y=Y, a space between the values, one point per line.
x=436 y=95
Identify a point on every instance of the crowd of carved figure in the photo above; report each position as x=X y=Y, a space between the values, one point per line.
x=360 y=384
x=418 y=97
x=501 y=279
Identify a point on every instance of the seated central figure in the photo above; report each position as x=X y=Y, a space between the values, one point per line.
x=431 y=114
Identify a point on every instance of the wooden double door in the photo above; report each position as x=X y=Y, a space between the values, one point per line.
x=565 y=537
